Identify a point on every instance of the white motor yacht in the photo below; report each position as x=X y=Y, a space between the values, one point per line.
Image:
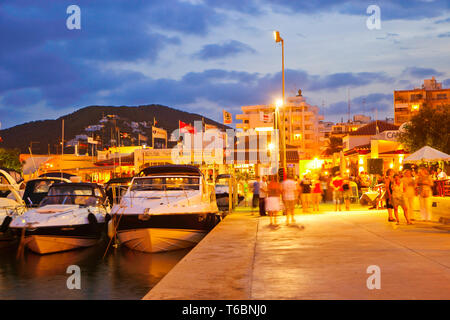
x=165 y=208
x=71 y=216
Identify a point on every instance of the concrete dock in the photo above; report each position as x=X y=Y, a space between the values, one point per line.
x=324 y=255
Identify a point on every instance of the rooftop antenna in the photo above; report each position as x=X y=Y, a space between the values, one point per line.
x=62 y=149
x=348 y=97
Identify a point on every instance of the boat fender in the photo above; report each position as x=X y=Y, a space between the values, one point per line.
x=93 y=222
x=111 y=229
x=5 y=224
x=92 y=219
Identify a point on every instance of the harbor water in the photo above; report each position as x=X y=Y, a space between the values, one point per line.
x=120 y=274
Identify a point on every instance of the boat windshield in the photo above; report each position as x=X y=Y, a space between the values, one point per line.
x=166 y=183
x=82 y=196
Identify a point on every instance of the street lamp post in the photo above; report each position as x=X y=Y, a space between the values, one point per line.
x=278 y=38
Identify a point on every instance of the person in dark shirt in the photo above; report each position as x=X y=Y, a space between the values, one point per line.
x=306 y=192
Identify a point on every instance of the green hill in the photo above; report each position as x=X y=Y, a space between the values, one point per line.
x=45 y=135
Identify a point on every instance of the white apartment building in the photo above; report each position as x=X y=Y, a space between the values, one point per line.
x=302 y=122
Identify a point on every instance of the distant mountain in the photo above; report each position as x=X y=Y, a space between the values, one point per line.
x=96 y=121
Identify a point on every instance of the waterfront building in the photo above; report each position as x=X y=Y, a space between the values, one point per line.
x=302 y=123
x=408 y=102
x=342 y=129
x=376 y=140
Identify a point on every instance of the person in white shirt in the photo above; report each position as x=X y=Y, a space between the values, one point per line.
x=289 y=193
x=262 y=196
x=440 y=181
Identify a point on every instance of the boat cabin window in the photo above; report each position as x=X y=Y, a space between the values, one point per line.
x=42 y=186
x=166 y=183
x=83 y=196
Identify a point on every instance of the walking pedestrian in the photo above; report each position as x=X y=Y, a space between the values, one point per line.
x=289 y=189
x=425 y=183
x=316 y=193
x=256 y=190
x=245 y=187
x=398 y=199
x=441 y=177
x=262 y=196
x=324 y=187
x=273 y=199
x=336 y=185
x=388 y=181
x=410 y=192
x=346 y=192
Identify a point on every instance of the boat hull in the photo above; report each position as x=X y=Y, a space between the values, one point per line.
x=52 y=244
x=153 y=240
x=45 y=240
x=160 y=233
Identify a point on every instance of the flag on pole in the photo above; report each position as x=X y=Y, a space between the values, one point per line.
x=265 y=117
x=186 y=128
x=227 y=118
x=91 y=140
x=142 y=137
x=154 y=122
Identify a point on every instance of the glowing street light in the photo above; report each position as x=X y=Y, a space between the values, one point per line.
x=278 y=38
x=279 y=103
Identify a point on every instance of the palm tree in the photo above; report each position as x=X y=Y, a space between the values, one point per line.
x=334 y=145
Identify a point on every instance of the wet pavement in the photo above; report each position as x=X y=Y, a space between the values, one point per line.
x=325 y=255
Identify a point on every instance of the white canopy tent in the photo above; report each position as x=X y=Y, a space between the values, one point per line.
x=427 y=154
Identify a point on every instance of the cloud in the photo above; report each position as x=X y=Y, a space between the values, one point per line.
x=442 y=21
x=362 y=105
x=444 y=35
x=421 y=73
x=390 y=9
x=446 y=83
x=219 y=51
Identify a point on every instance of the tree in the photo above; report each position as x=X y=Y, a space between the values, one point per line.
x=10 y=158
x=429 y=127
x=334 y=145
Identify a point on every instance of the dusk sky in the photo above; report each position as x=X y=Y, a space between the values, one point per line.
x=203 y=56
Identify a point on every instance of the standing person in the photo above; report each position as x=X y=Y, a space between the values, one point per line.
x=388 y=181
x=316 y=193
x=398 y=198
x=346 y=192
x=300 y=192
x=245 y=187
x=324 y=187
x=273 y=199
x=256 y=191
x=441 y=176
x=410 y=192
x=425 y=183
x=289 y=189
x=306 y=192
x=262 y=196
x=336 y=185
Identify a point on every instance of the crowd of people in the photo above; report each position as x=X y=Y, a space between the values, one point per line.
x=396 y=189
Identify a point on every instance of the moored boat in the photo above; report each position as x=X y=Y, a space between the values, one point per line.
x=165 y=208
x=71 y=216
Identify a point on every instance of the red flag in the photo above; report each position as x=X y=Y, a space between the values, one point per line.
x=186 y=128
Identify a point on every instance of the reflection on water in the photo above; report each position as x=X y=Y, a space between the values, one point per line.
x=122 y=274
